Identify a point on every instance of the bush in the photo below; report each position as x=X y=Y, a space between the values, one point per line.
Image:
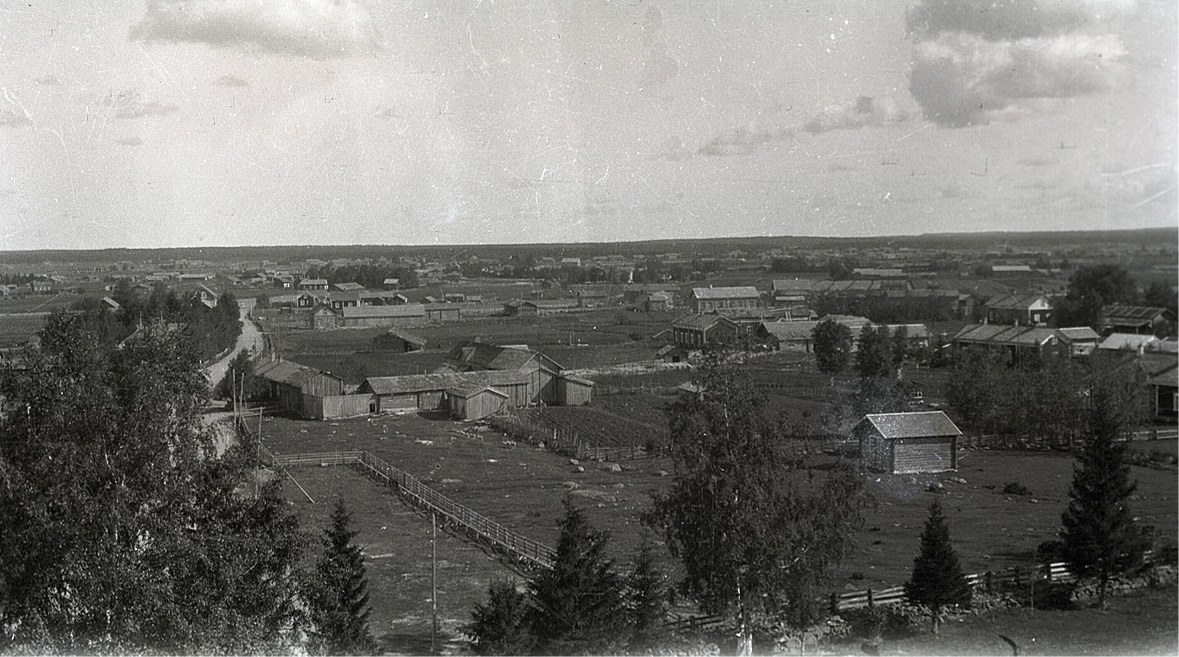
x=1050 y=551
x=1016 y=488
x=895 y=621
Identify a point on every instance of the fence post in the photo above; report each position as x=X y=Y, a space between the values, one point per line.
x=871 y=601
x=990 y=584
x=834 y=603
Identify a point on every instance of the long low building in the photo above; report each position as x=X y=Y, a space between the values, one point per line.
x=428 y=392
x=406 y=314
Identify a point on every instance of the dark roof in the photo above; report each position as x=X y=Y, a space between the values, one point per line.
x=467 y=390
x=399 y=310
x=396 y=385
x=411 y=338
x=1002 y=334
x=795 y=285
x=1125 y=314
x=700 y=322
x=912 y=425
x=577 y=379
x=493 y=357
x=289 y=373
x=1016 y=301
x=1078 y=333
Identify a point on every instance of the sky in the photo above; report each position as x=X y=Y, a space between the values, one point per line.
x=254 y=122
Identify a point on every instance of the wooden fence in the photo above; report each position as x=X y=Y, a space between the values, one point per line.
x=997 y=440
x=523 y=553
x=1014 y=578
x=563 y=440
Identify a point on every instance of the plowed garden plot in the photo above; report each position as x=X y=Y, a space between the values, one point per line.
x=598 y=427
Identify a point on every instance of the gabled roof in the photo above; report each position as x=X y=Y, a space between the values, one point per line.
x=348 y=287
x=1016 y=301
x=1131 y=341
x=492 y=357
x=398 y=385
x=745 y=292
x=1121 y=313
x=399 y=310
x=289 y=373
x=700 y=322
x=467 y=390
x=793 y=285
x=927 y=424
x=411 y=338
x=1079 y=334
x=313 y=281
x=1002 y=334
x=790 y=331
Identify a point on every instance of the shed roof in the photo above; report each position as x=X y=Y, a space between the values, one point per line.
x=396 y=385
x=399 y=310
x=411 y=338
x=494 y=357
x=468 y=390
x=289 y=373
x=1119 y=313
x=1079 y=333
x=700 y=322
x=926 y=424
x=743 y=292
x=1016 y=301
x=349 y=287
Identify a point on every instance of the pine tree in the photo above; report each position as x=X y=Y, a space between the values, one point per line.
x=339 y=594
x=501 y=627
x=874 y=352
x=646 y=604
x=937 y=578
x=578 y=602
x=1099 y=533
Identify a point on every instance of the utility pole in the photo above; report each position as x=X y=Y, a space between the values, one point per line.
x=434 y=582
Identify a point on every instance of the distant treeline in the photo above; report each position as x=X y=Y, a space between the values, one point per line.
x=1147 y=237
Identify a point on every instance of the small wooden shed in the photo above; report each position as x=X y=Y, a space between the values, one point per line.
x=908 y=443
x=574 y=391
x=474 y=401
x=399 y=340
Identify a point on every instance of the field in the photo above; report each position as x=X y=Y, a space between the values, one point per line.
x=16 y=329
x=522 y=488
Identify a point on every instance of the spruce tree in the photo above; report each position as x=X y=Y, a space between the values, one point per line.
x=937 y=578
x=874 y=352
x=501 y=626
x=646 y=604
x=578 y=602
x=339 y=595
x=1099 y=533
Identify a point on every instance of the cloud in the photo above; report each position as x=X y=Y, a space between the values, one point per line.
x=230 y=81
x=48 y=81
x=865 y=111
x=740 y=141
x=658 y=68
x=130 y=141
x=312 y=28
x=13 y=119
x=976 y=59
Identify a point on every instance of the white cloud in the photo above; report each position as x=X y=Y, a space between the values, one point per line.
x=313 y=28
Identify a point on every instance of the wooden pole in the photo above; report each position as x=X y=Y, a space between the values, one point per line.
x=434 y=582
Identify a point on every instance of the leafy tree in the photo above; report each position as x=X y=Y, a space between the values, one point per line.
x=1090 y=288
x=874 y=352
x=833 y=346
x=122 y=529
x=1098 y=530
x=937 y=578
x=757 y=534
x=338 y=595
x=502 y=626
x=578 y=603
x=646 y=602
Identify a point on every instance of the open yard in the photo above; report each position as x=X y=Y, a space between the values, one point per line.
x=522 y=487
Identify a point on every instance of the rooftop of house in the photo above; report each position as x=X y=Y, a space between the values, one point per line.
x=717 y=293
x=699 y=322
x=927 y=424
x=288 y=372
x=1016 y=301
x=400 y=310
x=1121 y=312
x=396 y=385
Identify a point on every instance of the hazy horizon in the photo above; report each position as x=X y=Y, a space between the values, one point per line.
x=202 y=123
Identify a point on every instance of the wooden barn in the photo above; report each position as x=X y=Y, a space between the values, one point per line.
x=475 y=401
x=427 y=392
x=542 y=371
x=908 y=443
x=574 y=391
x=399 y=340
x=409 y=314
x=323 y=318
x=290 y=382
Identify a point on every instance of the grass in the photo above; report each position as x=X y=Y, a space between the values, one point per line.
x=523 y=487
x=1141 y=624
x=17 y=329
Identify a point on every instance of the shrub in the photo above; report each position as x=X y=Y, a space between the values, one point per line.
x=895 y=621
x=1016 y=488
